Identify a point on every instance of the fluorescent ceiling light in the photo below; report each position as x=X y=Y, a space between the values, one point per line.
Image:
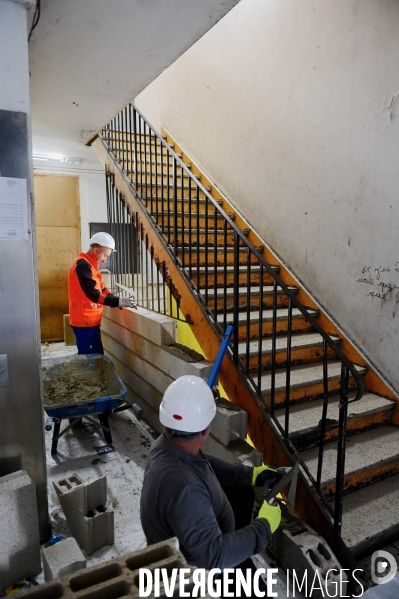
x=49 y=158
x=63 y=159
x=73 y=160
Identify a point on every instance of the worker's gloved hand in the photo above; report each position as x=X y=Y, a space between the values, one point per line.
x=127 y=302
x=271 y=513
x=266 y=476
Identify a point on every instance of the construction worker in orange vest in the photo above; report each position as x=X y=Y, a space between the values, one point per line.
x=88 y=294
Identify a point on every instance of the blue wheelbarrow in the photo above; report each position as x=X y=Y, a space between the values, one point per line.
x=64 y=381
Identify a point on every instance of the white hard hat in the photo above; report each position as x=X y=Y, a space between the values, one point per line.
x=103 y=239
x=187 y=405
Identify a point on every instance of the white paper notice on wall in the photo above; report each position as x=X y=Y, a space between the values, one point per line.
x=13 y=209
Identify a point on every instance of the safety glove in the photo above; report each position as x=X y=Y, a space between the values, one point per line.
x=266 y=476
x=128 y=302
x=271 y=513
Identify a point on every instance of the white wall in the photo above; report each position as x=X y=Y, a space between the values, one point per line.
x=292 y=108
x=93 y=204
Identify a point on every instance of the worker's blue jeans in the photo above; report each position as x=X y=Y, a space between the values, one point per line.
x=88 y=340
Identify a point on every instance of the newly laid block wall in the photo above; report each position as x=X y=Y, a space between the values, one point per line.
x=140 y=344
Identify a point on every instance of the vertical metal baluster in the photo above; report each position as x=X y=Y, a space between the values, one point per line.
x=142 y=262
x=147 y=270
x=175 y=231
x=215 y=260
x=165 y=216
x=146 y=134
x=170 y=297
x=224 y=275
x=189 y=232
x=170 y=199
x=288 y=371
x=248 y=299
x=135 y=149
x=183 y=243
x=157 y=188
x=164 y=275
x=150 y=137
x=129 y=274
x=124 y=142
x=324 y=414
x=198 y=252
x=139 y=172
x=340 y=478
x=158 y=296
x=260 y=332
x=130 y=146
x=274 y=334
x=206 y=251
x=235 y=300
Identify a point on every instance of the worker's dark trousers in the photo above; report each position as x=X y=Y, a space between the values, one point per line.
x=88 y=340
x=242 y=501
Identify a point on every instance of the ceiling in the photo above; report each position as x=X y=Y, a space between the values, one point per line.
x=89 y=58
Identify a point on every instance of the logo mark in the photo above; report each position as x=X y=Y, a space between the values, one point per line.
x=383 y=567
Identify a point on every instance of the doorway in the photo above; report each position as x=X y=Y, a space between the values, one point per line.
x=58 y=242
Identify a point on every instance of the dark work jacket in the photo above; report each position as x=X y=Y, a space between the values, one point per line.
x=182 y=498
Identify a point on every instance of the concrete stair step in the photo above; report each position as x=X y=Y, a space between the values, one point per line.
x=370 y=456
x=306 y=382
x=161 y=172
x=305 y=348
x=223 y=256
x=370 y=411
x=225 y=297
x=191 y=221
x=191 y=237
x=114 y=134
x=224 y=275
x=151 y=191
x=371 y=517
x=186 y=203
x=251 y=319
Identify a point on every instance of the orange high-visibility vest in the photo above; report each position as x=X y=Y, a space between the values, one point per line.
x=82 y=311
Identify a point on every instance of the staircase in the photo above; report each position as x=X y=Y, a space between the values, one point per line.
x=309 y=394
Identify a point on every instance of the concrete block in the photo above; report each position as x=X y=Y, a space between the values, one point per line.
x=116 y=578
x=69 y=335
x=148 y=369
x=239 y=452
x=90 y=519
x=150 y=325
x=97 y=529
x=20 y=544
x=230 y=423
x=295 y=545
x=62 y=558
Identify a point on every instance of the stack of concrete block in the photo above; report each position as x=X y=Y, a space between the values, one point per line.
x=62 y=558
x=19 y=537
x=118 y=577
x=90 y=519
x=139 y=344
x=142 y=347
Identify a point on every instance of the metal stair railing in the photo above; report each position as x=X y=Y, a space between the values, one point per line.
x=163 y=183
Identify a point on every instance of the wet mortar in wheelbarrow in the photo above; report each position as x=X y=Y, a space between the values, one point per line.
x=76 y=387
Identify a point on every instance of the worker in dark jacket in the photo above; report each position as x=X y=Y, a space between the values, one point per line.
x=88 y=294
x=182 y=492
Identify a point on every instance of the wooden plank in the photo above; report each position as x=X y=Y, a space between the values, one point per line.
x=56 y=200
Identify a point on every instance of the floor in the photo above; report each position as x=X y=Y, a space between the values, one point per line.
x=124 y=468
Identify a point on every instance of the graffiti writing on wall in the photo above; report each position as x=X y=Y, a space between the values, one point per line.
x=380 y=282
